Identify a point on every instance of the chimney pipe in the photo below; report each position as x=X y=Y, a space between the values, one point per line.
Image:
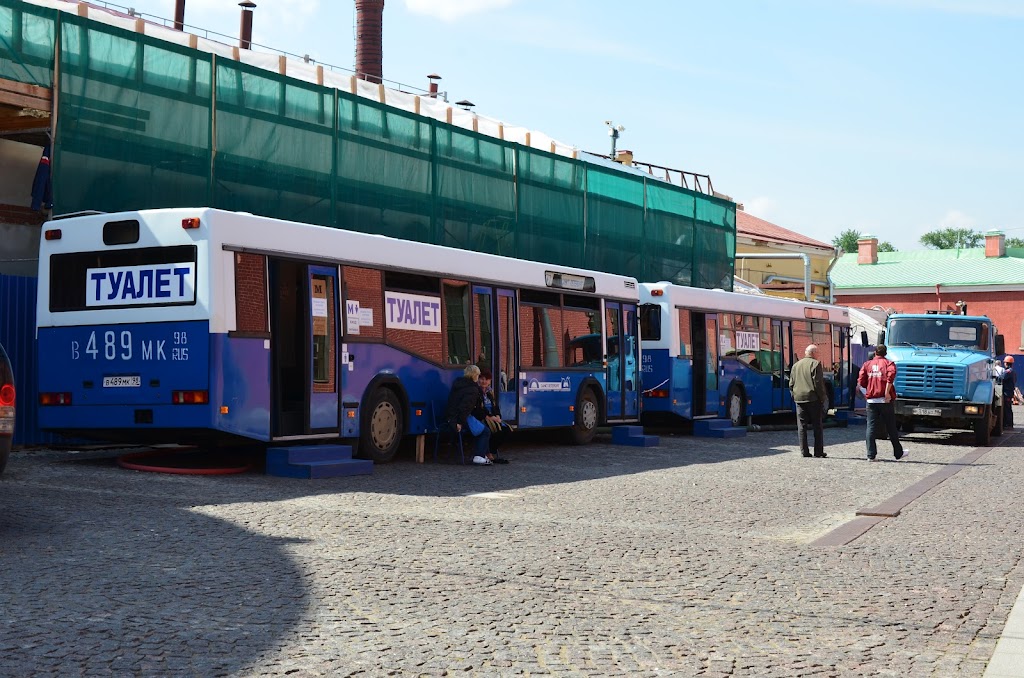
x=179 y=15
x=433 y=78
x=369 y=46
x=245 y=32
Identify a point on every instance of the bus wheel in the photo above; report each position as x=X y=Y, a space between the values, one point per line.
x=382 y=430
x=586 y=418
x=983 y=429
x=736 y=403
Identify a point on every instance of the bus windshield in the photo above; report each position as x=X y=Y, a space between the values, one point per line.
x=943 y=331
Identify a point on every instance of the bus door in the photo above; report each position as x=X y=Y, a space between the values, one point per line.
x=495 y=344
x=289 y=348
x=621 y=357
x=780 y=383
x=786 y=349
x=705 y=363
x=323 y=413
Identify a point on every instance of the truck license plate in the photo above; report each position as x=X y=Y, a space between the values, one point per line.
x=122 y=382
x=927 y=411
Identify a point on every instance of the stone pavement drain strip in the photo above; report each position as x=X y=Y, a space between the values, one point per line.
x=891 y=507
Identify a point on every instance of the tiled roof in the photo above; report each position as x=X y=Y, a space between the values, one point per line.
x=752 y=227
x=926 y=268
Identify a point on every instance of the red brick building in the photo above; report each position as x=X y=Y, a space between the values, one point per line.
x=988 y=280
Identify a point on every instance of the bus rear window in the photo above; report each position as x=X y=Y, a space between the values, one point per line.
x=650 y=322
x=150 y=276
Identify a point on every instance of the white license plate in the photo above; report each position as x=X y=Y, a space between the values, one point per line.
x=122 y=382
x=927 y=411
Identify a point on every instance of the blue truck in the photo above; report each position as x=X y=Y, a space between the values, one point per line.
x=947 y=375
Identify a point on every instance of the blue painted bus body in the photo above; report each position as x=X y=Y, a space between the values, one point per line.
x=235 y=371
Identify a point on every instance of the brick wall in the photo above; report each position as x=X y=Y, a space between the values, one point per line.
x=250 y=292
x=14 y=214
x=1005 y=308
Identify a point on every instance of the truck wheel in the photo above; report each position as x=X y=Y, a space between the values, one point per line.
x=983 y=429
x=908 y=426
x=997 y=428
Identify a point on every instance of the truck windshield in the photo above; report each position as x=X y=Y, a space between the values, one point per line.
x=946 y=331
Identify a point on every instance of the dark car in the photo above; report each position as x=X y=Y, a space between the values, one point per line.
x=6 y=408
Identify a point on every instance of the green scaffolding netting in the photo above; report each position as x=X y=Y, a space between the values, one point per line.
x=143 y=123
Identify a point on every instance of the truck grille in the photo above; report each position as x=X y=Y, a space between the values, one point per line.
x=930 y=381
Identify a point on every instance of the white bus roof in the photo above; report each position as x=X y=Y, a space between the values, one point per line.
x=736 y=302
x=236 y=230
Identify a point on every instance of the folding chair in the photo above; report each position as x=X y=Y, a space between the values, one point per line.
x=447 y=429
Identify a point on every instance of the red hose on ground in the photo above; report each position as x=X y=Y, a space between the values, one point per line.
x=227 y=464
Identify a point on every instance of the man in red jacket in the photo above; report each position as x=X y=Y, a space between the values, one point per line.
x=877 y=382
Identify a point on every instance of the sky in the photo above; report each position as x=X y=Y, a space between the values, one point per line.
x=890 y=117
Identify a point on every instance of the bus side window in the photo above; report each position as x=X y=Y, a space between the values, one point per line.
x=456 y=321
x=251 y=293
x=684 y=331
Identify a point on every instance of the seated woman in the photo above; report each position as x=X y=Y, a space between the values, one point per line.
x=490 y=414
x=464 y=399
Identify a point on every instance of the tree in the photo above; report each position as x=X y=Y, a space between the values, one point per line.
x=1015 y=242
x=847 y=241
x=952 y=238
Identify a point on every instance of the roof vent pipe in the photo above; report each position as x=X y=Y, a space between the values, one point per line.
x=245 y=32
x=369 y=47
x=179 y=15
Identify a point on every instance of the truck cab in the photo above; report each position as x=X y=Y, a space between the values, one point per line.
x=947 y=375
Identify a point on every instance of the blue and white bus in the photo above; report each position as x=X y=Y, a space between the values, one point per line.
x=181 y=324
x=711 y=353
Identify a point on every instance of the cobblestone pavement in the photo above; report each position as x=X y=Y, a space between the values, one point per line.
x=691 y=558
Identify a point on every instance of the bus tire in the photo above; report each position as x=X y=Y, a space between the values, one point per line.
x=587 y=415
x=983 y=429
x=736 y=404
x=383 y=425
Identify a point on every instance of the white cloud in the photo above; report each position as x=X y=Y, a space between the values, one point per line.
x=957 y=219
x=453 y=10
x=761 y=207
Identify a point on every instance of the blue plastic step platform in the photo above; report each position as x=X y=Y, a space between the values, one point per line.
x=717 y=428
x=315 y=461
x=633 y=436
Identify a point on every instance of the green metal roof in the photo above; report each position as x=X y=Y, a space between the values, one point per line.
x=926 y=268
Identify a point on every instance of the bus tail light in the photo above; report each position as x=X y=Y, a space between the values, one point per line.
x=658 y=393
x=7 y=395
x=52 y=234
x=191 y=222
x=657 y=293
x=54 y=398
x=190 y=397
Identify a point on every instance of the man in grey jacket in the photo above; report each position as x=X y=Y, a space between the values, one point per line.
x=807 y=383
